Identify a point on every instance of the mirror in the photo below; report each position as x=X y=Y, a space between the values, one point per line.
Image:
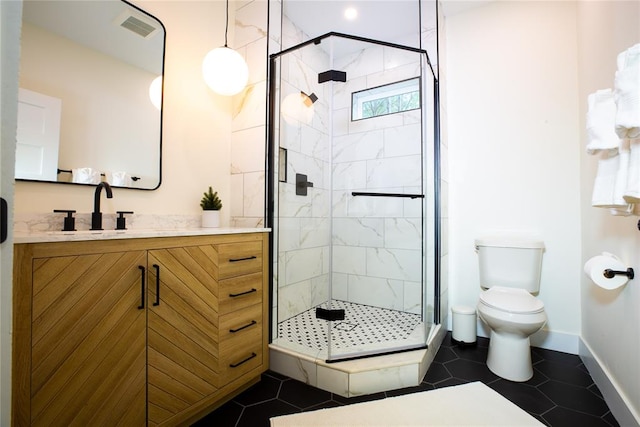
x=85 y=112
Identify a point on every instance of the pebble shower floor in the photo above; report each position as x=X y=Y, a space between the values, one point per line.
x=363 y=324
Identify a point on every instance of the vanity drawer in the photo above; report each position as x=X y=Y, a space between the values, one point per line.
x=236 y=326
x=241 y=258
x=240 y=292
x=240 y=341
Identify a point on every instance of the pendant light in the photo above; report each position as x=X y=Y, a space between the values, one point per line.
x=225 y=70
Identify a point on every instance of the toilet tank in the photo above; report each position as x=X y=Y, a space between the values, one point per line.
x=510 y=262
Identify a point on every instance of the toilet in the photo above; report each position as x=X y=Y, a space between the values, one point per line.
x=509 y=270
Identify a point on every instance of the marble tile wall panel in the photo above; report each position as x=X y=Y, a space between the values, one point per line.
x=250 y=39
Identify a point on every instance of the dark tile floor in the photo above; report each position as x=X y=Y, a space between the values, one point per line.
x=561 y=392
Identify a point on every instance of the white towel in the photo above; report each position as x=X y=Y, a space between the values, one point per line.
x=118 y=178
x=632 y=190
x=627 y=93
x=600 y=121
x=85 y=176
x=609 y=185
x=629 y=210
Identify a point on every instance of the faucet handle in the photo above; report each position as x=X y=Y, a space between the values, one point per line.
x=121 y=221
x=69 y=221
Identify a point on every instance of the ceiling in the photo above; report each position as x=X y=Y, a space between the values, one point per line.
x=395 y=21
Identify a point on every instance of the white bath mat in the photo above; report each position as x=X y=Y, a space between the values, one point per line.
x=472 y=404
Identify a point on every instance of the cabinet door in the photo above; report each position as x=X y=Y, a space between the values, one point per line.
x=88 y=340
x=182 y=329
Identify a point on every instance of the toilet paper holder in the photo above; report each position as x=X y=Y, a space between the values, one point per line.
x=610 y=274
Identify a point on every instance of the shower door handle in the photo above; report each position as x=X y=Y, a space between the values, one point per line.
x=302 y=184
x=370 y=194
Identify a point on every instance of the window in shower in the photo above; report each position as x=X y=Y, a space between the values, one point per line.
x=388 y=99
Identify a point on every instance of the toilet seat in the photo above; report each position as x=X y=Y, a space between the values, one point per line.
x=511 y=300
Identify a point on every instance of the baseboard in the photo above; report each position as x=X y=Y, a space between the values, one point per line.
x=558 y=341
x=619 y=405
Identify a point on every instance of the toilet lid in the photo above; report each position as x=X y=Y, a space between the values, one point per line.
x=511 y=300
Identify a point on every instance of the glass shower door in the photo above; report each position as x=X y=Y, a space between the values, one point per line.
x=377 y=189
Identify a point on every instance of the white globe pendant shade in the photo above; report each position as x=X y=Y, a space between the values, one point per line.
x=297 y=107
x=225 y=71
x=155 y=92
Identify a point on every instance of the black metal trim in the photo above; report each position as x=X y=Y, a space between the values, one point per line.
x=408 y=196
x=319 y=39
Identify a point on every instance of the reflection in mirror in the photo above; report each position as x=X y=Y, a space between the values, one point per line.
x=85 y=111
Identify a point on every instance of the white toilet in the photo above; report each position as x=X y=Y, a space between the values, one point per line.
x=510 y=274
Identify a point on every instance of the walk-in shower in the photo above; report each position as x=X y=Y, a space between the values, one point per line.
x=352 y=192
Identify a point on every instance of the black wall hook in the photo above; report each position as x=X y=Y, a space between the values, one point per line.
x=609 y=274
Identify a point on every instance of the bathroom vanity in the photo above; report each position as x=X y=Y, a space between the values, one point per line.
x=118 y=329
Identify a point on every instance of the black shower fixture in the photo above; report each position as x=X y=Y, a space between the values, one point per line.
x=313 y=98
x=332 y=75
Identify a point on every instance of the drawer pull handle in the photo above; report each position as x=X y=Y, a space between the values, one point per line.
x=142 y=280
x=243 y=293
x=233 y=331
x=235 y=365
x=242 y=259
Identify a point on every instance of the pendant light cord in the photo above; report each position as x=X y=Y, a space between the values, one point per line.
x=226 y=28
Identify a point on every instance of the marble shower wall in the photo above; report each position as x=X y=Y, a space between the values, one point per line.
x=249 y=115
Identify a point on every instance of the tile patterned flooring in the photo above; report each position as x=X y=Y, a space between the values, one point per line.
x=561 y=392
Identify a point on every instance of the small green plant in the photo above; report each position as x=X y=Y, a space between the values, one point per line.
x=210 y=201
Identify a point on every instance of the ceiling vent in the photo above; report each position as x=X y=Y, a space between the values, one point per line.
x=137 y=24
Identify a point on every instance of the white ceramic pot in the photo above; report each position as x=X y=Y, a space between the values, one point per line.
x=210 y=219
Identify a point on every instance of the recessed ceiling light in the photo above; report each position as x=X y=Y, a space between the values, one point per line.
x=350 y=13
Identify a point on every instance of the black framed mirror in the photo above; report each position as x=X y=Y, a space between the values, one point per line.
x=90 y=102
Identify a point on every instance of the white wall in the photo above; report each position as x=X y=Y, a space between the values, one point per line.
x=196 y=128
x=610 y=319
x=514 y=146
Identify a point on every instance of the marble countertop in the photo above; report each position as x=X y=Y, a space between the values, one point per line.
x=73 y=236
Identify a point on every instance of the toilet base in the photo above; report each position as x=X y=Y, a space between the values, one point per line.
x=510 y=357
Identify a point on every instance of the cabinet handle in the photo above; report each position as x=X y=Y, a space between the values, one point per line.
x=233 y=331
x=157 y=267
x=242 y=259
x=243 y=293
x=142 y=280
x=235 y=365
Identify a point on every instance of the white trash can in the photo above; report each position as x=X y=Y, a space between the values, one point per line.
x=463 y=324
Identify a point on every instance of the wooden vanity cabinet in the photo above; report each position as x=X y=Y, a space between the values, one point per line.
x=133 y=332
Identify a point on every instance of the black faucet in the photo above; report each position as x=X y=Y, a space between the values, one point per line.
x=96 y=216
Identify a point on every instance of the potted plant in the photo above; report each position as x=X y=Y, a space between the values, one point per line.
x=211 y=205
